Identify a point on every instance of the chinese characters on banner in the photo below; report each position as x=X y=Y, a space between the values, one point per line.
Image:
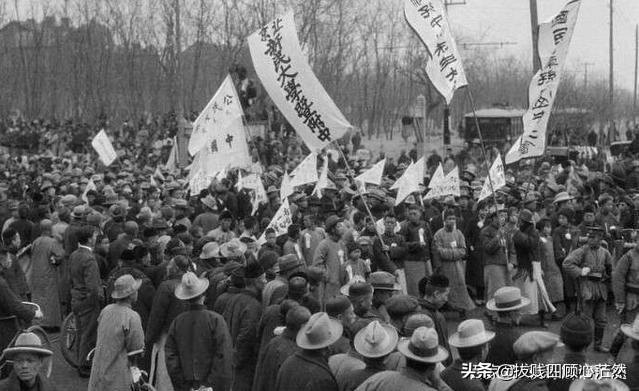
x=280 y=222
x=291 y=84
x=448 y=185
x=104 y=148
x=497 y=176
x=254 y=183
x=305 y=172
x=554 y=41
x=444 y=68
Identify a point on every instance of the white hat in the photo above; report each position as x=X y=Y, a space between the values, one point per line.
x=125 y=286
x=27 y=343
x=376 y=340
x=191 y=286
x=507 y=298
x=631 y=330
x=423 y=346
x=470 y=333
x=319 y=332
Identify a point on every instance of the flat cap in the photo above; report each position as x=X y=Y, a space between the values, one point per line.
x=534 y=342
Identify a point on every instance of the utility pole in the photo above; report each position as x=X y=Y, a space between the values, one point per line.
x=586 y=65
x=611 y=78
x=634 y=106
x=534 y=26
x=184 y=127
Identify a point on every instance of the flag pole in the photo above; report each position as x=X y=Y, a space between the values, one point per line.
x=350 y=171
x=481 y=142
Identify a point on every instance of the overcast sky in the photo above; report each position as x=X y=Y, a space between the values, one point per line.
x=509 y=20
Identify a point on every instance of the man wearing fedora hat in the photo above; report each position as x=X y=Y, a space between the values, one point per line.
x=120 y=339
x=313 y=339
x=275 y=290
x=198 y=346
x=277 y=350
x=591 y=265
x=506 y=302
x=422 y=353
x=27 y=354
x=374 y=343
x=471 y=341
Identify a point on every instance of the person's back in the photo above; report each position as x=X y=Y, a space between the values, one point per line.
x=199 y=350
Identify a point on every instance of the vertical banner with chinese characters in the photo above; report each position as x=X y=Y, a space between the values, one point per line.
x=497 y=176
x=444 y=68
x=280 y=222
x=291 y=84
x=554 y=41
x=447 y=185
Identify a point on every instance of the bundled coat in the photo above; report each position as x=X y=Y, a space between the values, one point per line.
x=271 y=359
x=625 y=275
x=306 y=370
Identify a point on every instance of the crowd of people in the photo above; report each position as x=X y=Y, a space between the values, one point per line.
x=355 y=296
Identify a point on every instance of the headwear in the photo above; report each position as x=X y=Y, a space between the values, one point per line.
x=210 y=250
x=449 y=212
x=319 y=332
x=337 y=305
x=27 y=343
x=598 y=384
x=526 y=215
x=632 y=330
x=383 y=281
x=534 y=342
x=415 y=321
x=288 y=262
x=209 y=202
x=507 y=298
x=401 y=305
x=78 y=212
x=423 y=346
x=125 y=286
x=359 y=289
x=562 y=196
x=128 y=255
x=251 y=270
x=268 y=259
x=191 y=286
x=234 y=248
x=331 y=221
x=376 y=340
x=470 y=333
x=577 y=330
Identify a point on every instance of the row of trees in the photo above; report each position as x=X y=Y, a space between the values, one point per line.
x=119 y=58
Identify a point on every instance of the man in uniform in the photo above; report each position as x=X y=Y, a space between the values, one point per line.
x=591 y=265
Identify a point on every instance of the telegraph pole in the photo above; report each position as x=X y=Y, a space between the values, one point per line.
x=184 y=127
x=634 y=106
x=534 y=26
x=586 y=65
x=611 y=80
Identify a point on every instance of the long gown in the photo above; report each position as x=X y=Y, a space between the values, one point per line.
x=44 y=279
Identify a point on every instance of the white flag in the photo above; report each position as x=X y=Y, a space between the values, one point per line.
x=90 y=186
x=153 y=182
x=438 y=177
x=374 y=174
x=410 y=181
x=104 y=148
x=258 y=197
x=444 y=68
x=171 y=163
x=322 y=183
x=399 y=182
x=199 y=181
x=498 y=177
x=448 y=185
x=554 y=41
x=223 y=109
x=286 y=189
x=291 y=84
x=306 y=172
x=280 y=222
x=158 y=174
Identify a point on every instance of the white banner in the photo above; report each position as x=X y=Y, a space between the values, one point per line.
x=554 y=41
x=409 y=182
x=280 y=222
x=223 y=109
x=104 y=148
x=374 y=174
x=497 y=176
x=285 y=187
x=445 y=69
x=449 y=185
x=90 y=186
x=305 y=172
x=322 y=183
x=291 y=84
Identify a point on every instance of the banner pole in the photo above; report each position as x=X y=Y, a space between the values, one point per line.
x=481 y=142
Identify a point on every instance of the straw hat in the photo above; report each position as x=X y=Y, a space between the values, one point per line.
x=423 y=346
x=383 y=281
x=319 y=332
x=376 y=340
x=470 y=333
x=125 y=286
x=631 y=330
x=562 y=196
x=507 y=298
x=191 y=286
x=234 y=248
x=210 y=250
x=27 y=343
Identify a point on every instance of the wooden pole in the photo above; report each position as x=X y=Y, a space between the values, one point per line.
x=534 y=27
x=611 y=77
x=634 y=106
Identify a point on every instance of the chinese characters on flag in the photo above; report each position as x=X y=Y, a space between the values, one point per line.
x=291 y=84
x=497 y=176
x=554 y=41
x=280 y=222
x=446 y=185
x=104 y=148
x=444 y=68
